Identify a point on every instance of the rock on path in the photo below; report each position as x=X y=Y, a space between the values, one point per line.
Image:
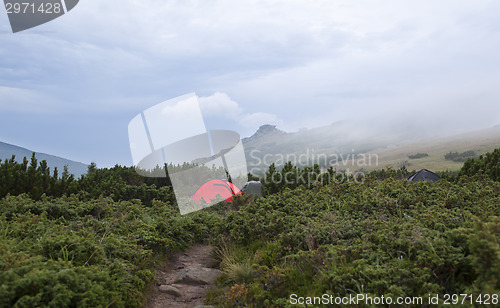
x=184 y=280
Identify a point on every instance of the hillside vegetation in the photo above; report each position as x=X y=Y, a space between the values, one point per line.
x=95 y=241
x=396 y=155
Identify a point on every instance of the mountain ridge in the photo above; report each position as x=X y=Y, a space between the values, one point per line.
x=7 y=150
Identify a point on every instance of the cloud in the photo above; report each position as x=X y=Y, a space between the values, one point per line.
x=420 y=62
x=294 y=62
x=220 y=111
x=181 y=108
x=222 y=106
x=219 y=104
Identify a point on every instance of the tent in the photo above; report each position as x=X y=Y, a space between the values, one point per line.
x=215 y=189
x=424 y=175
x=253 y=188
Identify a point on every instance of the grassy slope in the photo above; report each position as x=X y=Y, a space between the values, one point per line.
x=481 y=141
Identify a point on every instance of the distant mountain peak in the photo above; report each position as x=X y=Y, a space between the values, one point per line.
x=265 y=130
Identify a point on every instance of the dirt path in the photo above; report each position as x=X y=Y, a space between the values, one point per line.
x=184 y=280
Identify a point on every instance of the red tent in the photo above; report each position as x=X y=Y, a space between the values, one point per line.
x=209 y=191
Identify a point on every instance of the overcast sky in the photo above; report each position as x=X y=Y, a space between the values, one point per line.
x=71 y=86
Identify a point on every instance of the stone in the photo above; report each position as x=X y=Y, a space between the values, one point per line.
x=198 y=276
x=170 y=290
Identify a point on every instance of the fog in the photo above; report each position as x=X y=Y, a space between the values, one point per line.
x=398 y=69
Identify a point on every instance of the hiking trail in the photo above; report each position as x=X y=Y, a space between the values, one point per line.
x=184 y=279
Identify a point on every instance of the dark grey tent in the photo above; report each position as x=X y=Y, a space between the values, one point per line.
x=424 y=175
x=253 y=188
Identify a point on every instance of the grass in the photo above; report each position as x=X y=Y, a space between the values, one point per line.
x=236 y=264
x=397 y=156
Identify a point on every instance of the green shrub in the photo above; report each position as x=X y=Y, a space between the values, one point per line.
x=69 y=253
x=418 y=155
x=460 y=157
x=391 y=238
